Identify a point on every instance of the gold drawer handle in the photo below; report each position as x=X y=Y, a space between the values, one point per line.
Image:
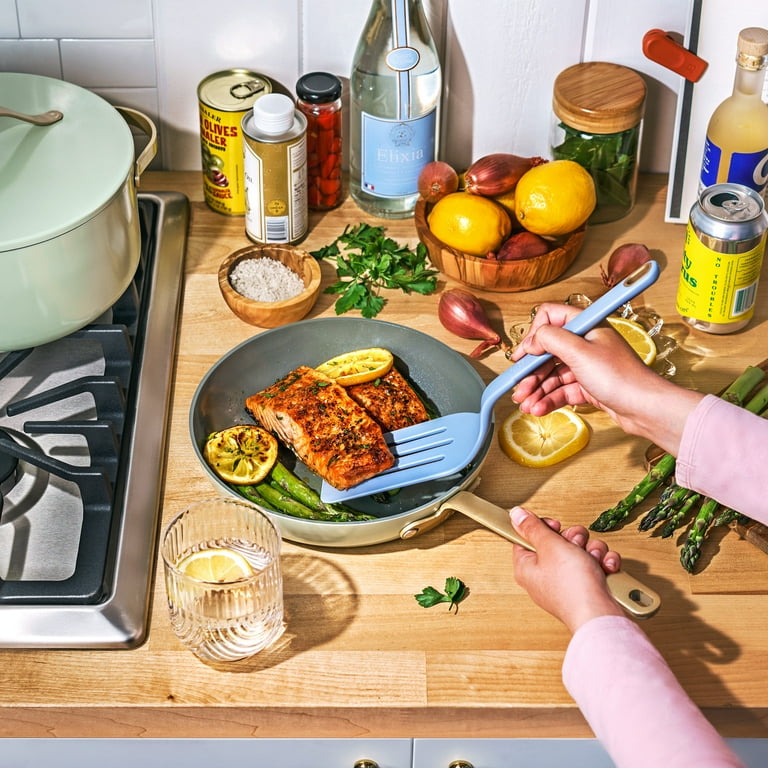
x=461 y=764
x=366 y=764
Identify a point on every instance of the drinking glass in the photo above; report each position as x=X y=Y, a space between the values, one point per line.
x=234 y=619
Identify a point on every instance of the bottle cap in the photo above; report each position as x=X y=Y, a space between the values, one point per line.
x=598 y=97
x=752 y=48
x=318 y=87
x=273 y=113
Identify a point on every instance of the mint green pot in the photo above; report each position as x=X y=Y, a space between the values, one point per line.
x=69 y=223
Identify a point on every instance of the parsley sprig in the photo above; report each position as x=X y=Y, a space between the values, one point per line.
x=455 y=591
x=371 y=261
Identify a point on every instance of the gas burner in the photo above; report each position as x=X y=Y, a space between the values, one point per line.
x=83 y=424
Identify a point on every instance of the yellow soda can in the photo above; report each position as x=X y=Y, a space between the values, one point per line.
x=722 y=258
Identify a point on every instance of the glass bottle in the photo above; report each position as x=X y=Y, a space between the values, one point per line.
x=395 y=88
x=736 y=147
x=318 y=96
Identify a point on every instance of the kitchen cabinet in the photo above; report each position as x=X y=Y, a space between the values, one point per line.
x=327 y=753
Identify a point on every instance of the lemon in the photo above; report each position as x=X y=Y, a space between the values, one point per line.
x=243 y=454
x=358 y=366
x=554 y=198
x=507 y=201
x=217 y=565
x=637 y=338
x=541 y=441
x=469 y=223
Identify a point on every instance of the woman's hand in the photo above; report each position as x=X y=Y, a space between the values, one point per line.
x=602 y=370
x=566 y=574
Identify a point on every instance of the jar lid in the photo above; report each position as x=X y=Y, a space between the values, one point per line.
x=599 y=97
x=273 y=113
x=318 y=87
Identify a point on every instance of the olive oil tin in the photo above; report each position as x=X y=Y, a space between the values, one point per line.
x=722 y=258
x=275 y=163
x=224 y=98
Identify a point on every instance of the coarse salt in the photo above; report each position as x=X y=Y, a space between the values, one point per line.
x=265 y=279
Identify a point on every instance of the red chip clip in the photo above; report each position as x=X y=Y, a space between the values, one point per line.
x=658 y=46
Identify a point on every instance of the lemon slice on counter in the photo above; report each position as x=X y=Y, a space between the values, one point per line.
x=243 y=454
x=358 y=366
x=217 y=565
x=541 y=441
x=637 y=338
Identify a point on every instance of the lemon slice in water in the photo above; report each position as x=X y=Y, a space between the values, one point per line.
x=217 y=565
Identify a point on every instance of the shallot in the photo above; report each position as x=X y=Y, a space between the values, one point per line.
x=498 y=173
x=437 y=179
x=623 y=261
x=461 y=313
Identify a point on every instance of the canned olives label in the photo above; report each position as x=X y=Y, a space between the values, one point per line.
x=717 y=287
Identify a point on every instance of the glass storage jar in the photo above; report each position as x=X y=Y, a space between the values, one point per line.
x=598 y=116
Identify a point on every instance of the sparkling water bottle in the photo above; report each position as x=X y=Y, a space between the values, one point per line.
x=395 y=88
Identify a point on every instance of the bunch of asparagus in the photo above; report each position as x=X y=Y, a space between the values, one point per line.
x=283 y=491
x=677 y=504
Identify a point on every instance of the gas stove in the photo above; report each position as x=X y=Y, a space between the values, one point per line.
x=83 y=423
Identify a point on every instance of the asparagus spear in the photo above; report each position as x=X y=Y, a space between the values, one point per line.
x=671 y=498
x=691 y=549
x=653 y=479
x=679 y=515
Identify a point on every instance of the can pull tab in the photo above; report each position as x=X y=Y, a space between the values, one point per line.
x=662 y=48
x=246 y=89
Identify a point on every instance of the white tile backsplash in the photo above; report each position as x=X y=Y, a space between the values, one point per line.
x=500 y=58
x=9 y=21
x=85 y=18
x=109 y=63
x=32 y=57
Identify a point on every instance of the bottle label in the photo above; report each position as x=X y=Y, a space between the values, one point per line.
x=747 y=168
x=717 y=287
x=394 y=152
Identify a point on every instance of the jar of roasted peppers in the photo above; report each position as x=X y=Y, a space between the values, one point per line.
x=319 y=98
x=598 y=117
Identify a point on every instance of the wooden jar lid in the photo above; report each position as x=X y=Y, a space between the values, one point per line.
x=599 y=97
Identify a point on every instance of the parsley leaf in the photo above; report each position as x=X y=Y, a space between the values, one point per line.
x=455 y=591
x=371 y=261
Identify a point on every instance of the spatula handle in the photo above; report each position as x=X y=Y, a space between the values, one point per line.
x=643 y=277
x=632 y=595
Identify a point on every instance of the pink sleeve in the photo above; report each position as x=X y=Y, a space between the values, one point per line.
x=723 y=454
x=633 y=702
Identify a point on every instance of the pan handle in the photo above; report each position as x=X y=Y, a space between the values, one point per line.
x=143 y=123
x=632 y=595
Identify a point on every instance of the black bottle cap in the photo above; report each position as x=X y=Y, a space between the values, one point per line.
x=318 y=87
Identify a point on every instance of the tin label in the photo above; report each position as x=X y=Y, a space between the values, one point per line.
x=276 y=190
x=222 y=151
x=717 y=287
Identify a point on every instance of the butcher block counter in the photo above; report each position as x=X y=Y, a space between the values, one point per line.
x=360 y=657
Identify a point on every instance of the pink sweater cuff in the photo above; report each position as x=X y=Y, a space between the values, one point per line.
x=723 y=454
x=633 y=702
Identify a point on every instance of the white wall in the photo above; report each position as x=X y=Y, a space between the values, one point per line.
x=500 y=58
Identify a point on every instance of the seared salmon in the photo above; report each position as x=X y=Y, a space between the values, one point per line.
x=333 y=435
x=390 y=400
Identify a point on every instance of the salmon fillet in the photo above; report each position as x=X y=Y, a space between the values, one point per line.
x=324 y=426
x=390 y=400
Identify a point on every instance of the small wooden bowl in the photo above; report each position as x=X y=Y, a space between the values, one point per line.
x=270 y=314
x=493 y=275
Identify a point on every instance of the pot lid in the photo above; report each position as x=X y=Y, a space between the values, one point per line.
x=56 y=177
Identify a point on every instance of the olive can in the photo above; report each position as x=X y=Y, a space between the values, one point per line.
x=224 y=98
x=722 y=259
x=275 y=164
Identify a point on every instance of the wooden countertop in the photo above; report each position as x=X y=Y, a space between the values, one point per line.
x=360 y=657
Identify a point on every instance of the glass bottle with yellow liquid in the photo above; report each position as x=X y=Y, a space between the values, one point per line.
x=736 y=148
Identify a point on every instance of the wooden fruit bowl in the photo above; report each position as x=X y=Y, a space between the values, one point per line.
x=493 y=275
x=270 y=314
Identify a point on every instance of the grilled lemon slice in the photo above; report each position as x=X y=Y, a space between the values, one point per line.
x=358 y=366
x=243 y=454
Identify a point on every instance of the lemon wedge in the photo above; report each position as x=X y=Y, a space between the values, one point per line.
x=217 y=565
x=243 y=454
x=358 y=366
x=541 y=441
x=637 y=338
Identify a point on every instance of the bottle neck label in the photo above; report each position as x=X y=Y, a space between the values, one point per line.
x=394 y=152
x=747 y=168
